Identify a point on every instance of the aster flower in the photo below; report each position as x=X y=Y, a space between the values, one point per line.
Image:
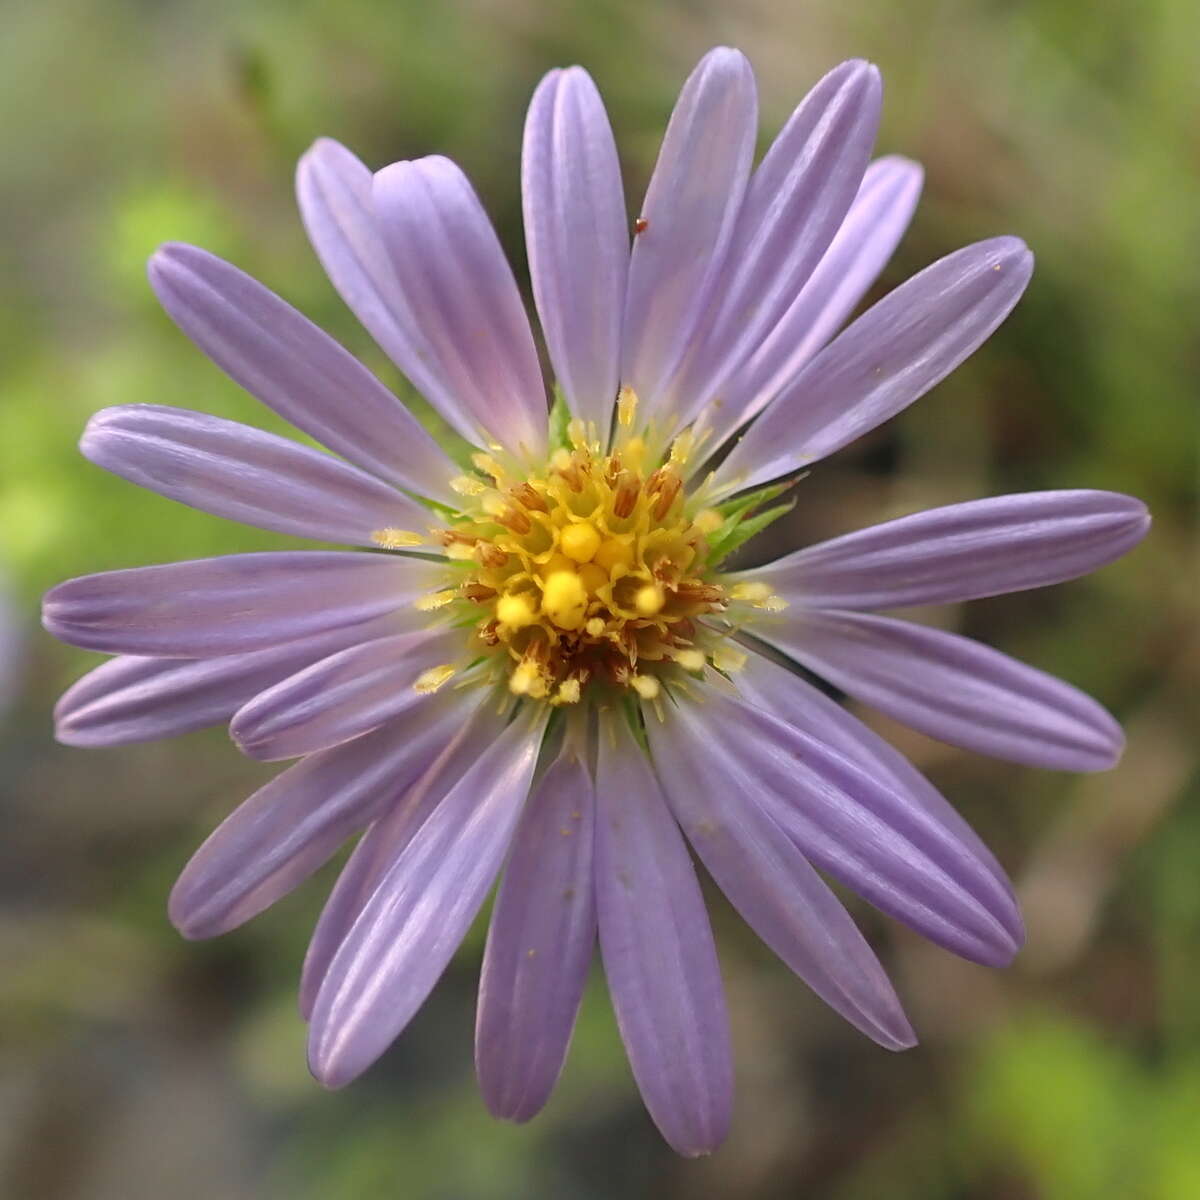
x=543 y=671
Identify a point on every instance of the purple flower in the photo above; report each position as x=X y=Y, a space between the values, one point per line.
x=543 y=666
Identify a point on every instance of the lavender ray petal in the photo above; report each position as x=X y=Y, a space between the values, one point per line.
x=954 y=689
x=463 y=297
x=781 y=692
x=539 y=944
x=658 y=952
x=414 y=920
x=333 y=189
x=130 y=699
x=854 y=826
x=232 y=604
x=386 y=839
x=298 y=370
x=861 y=248
x=690 y=212
x=773 y=886
x=892 y=355
x=963 y=551
x=796 y=200
x=577 y=238
x=342 y=696
x=244 y=474
x=292 y=826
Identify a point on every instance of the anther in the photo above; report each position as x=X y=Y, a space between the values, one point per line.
x=488 y=554
x=646 y=686
x=396 y=539
x=668 y=490
x=708 y=521
x=627 y=403
x=467 y=485
x=528 y=496
x=516 y=520
x=431 y=680
x=434 y=600
x=689 y=660
x=726 y=658
x=626 y=494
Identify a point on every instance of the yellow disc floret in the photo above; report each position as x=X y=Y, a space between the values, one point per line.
x=587 y=572
x=516 y=611
x=564 y=599
x=579 y=541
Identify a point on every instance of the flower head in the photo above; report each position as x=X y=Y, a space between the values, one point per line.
x=541 y=662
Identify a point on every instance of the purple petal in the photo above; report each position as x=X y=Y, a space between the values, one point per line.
x=954 y=689
x=782 y=692
x=244 y=474
x=892 y=355
x=342 y=696
x=232 y=604
x=860 y=250
x=296 y=369
x=774 y=888
x=690 y=213
x=854 y=826
x=963 y=551
x=577 y=238
x=414 y=920
x=463 y=298
x=289 y=828
x=129 y=699
x=539 y=944
x=383 y=843
x=658 y=952
x=795 y=202
x=333 y=189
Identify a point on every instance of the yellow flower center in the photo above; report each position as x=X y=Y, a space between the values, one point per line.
x=594 y=570
x=586 y=571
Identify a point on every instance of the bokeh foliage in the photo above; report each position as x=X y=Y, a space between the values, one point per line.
x=135 y=1065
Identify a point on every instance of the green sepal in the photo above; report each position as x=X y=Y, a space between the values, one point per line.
x=560 y=418
x=743 y=504
x=742 y=522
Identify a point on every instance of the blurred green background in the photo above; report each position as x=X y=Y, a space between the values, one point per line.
x=134 y=1065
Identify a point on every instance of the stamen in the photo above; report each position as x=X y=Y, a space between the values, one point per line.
x=726 y=658
x=627 y=404
x=431 y=680
x=690 y=660
x=467 y=485
x=434 y=601
x=396 y=539
x=489 y=466
x=646 y=686
x=753 y=593
x=524 y=494
x=708 y=521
